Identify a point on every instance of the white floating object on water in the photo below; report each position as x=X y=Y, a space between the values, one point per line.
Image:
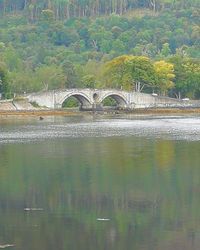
x=27 y=209
x=6 y=245
x=103 y=219
x=33 y=209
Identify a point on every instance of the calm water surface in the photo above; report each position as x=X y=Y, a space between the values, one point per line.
x=87 y=183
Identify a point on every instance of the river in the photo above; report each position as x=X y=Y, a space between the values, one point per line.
x=112 y=183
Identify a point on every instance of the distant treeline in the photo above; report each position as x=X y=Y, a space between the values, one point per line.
x=80 y=8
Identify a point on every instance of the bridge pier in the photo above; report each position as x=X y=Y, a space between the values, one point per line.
x=57 y=106
x=86 y=107
x=93 y=107
x=97 y=107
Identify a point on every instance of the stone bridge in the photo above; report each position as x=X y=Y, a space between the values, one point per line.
x=92 y=99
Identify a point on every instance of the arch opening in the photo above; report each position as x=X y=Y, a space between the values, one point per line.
x=76 y=101
x=71 y=102
x=114 y=101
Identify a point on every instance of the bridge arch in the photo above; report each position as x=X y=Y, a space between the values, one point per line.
x=119 y=98
x=83 y=99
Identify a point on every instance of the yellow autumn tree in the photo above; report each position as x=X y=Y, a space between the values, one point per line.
x=164 y=76
x=116 y=74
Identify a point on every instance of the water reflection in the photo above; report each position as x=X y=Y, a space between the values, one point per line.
x=147 y=186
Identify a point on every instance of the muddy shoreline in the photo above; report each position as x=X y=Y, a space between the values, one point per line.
x=65 y=112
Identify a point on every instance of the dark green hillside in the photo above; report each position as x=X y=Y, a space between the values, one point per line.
x=67 y=43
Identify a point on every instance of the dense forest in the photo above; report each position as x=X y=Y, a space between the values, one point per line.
x=142 y=45
x=64 y=9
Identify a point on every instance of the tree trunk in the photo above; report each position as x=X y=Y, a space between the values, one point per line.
x=137 y=86
x=153 y=5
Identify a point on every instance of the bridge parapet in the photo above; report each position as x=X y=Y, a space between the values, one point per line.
x=93 y=98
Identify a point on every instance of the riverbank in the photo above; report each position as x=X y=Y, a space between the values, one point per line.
x=68 y=112
x=38 y=112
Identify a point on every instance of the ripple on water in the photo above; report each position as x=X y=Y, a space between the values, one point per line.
x=175 y=128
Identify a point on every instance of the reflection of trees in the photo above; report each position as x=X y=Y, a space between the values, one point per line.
x=164 y=153
x=3 y=160
x=129 y=180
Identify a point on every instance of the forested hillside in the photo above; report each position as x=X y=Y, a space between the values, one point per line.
x=64 y=9
x=143 y=45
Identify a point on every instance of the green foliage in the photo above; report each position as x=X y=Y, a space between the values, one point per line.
x=164 y=76
x=83 y=8
x=116 y=73
x=110 y=102
x=70 y=73
x=71 y=102
x=4 y=86
x=165 y=51
x=47 y=15
x=187 y=76
x=66 y=43
x=89 y=81
x=141 y=71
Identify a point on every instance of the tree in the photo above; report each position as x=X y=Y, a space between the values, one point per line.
x=35 y=34
x=50 y=77
x=191 y=68
x=63 y=36
x=12 y=58
x=92 y=74
x=187 y=76
x=164 y=76
x=118 y=46
x=65 y=9
x=4 y=87
x=89 y=81
x=165 y=51
x=116 y=73
x=24 y=81
x=142 y=72
x=47 y=16
x=71 y=76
